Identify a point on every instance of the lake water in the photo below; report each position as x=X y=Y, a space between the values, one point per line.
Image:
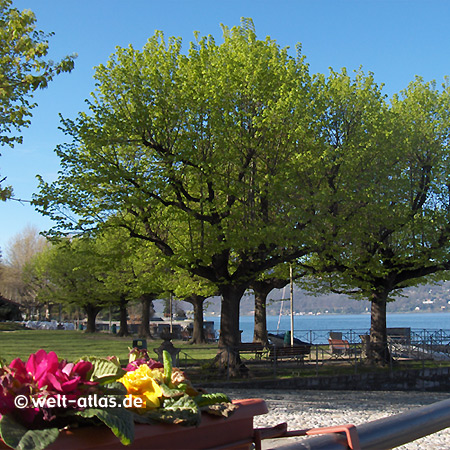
x=313 y=328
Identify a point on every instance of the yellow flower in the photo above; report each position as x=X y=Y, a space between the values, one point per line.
x=141 y=383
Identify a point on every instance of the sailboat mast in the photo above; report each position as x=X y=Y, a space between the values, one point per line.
x=292 y=304
x=281 y=310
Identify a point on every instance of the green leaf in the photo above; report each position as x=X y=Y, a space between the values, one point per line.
x=119 y=420
x=211 y=399
x=19 y=437
x=169 y=392
x=167 y=359
x=115 y=388
x=103 y=370
x=183 y=411
x=220 y=409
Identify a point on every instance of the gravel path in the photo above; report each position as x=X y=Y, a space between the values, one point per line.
x=310 y=409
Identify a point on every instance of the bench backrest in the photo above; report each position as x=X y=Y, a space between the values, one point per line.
x=338 y=344
x=288 y=351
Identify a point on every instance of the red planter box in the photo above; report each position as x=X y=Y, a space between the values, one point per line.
x=234 y=432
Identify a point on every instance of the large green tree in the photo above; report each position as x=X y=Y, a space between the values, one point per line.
x=74 y=273
x=221 y=157
x=23 y=69
x=402 y=236
x=133 y=271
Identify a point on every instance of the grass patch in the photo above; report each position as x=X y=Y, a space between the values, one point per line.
x=71 y=345
x=11 y=326
x=194 y=359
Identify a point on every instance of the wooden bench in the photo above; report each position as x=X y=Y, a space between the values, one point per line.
x=339 y=347
x=255 y=348
x=296 y=353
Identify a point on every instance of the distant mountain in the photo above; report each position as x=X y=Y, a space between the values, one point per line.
x=426 y=298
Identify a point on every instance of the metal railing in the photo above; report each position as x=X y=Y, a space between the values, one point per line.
x=417 y=346
x=321 y=336
x=418 y=335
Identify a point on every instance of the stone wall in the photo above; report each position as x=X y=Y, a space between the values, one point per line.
x=437 y=380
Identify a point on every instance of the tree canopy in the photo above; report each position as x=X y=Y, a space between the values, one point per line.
x=189 y=151
x=23 y=69
x=403 y=236
x=231 y=159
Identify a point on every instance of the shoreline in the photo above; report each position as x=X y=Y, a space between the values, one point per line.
x=366 y=313
x=342 y=314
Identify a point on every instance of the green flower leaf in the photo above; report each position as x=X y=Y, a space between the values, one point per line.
x=220 y=409
x=169 y=392
x=167 y=359
x=119 y=420
x=104 y=370
x=183 y=411
x=18 y=437
x=211 y=399
x=115 y=388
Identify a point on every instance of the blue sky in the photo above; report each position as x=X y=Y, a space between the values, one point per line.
x=395 y=39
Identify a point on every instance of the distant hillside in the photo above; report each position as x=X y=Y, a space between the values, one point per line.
x=424 y=298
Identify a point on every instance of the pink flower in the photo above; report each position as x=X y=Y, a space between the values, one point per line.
x=40 y=365
x=58 y=377
x=139 y=356
x=137 y=353
x=15 y=380
x=138 y=362
x=43 y=375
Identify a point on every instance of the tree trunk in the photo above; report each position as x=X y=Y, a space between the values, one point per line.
x=262 y=289
x=378 y=353
x=91 y=311
x=147 y=305
x=260 y=329
x=198 y=333
x=228 y=357
x=123 y=331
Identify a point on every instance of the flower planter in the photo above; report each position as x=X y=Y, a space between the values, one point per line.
x=234 y=432
x=163 y=394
